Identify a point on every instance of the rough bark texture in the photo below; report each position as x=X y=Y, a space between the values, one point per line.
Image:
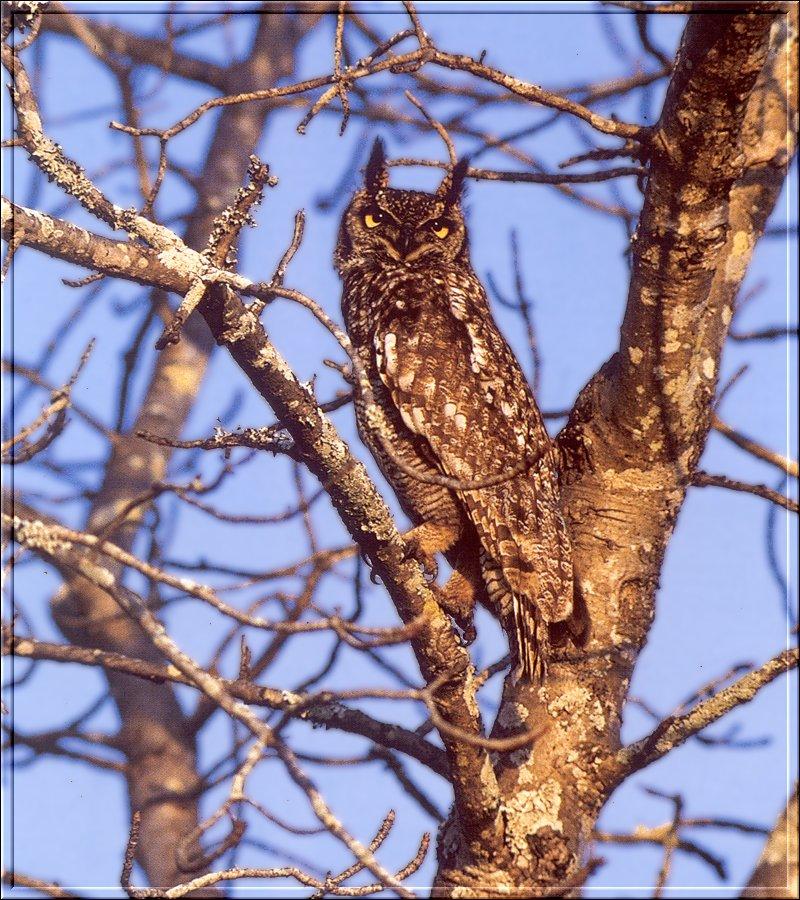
x=777 y=873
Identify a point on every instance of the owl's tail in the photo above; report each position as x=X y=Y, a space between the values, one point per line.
x=529 y=634
x=532 y=637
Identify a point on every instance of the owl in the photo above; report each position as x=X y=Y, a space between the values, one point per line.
x=452 y=401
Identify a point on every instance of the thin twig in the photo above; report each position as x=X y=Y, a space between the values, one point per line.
x=704 y=479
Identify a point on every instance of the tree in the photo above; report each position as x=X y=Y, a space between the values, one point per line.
x=526 y=792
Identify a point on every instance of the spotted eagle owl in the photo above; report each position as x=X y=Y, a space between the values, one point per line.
x=453 y=402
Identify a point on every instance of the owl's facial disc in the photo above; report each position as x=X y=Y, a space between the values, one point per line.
x=407 y=226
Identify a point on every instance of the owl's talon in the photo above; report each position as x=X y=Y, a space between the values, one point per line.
x=468 y=633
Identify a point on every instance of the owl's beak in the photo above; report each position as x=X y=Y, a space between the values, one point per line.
x=405 y=241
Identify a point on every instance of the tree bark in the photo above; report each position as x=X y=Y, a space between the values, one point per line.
x=777 y=873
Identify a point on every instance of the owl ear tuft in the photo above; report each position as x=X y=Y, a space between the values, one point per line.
x=452 y=185
x=376 y=174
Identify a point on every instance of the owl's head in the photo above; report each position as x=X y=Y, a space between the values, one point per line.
x=384 y=227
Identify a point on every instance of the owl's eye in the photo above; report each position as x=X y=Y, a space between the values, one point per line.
x=440 y=228
x=374 y=218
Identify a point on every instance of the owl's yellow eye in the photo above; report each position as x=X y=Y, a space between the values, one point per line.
x=373 y=219
x=440 y=229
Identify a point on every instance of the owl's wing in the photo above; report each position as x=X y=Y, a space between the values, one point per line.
x=456 y=384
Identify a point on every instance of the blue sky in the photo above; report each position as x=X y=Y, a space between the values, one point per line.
x=718 y=604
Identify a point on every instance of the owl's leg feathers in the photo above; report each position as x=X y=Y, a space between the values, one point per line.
x=428 y=539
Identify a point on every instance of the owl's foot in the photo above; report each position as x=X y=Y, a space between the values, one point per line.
x=430 y=568
x=428 y=539
x=457 y=599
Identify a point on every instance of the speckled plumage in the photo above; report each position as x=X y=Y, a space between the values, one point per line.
x=455 y=403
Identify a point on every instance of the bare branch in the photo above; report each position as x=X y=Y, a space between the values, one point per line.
x=765 y=334
x=48 y=888
x=402 y=62
x=326 y=713
x=704 y=479
x=786 y=465
x=675 y=730
x=530 y=177
x=143 y=50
